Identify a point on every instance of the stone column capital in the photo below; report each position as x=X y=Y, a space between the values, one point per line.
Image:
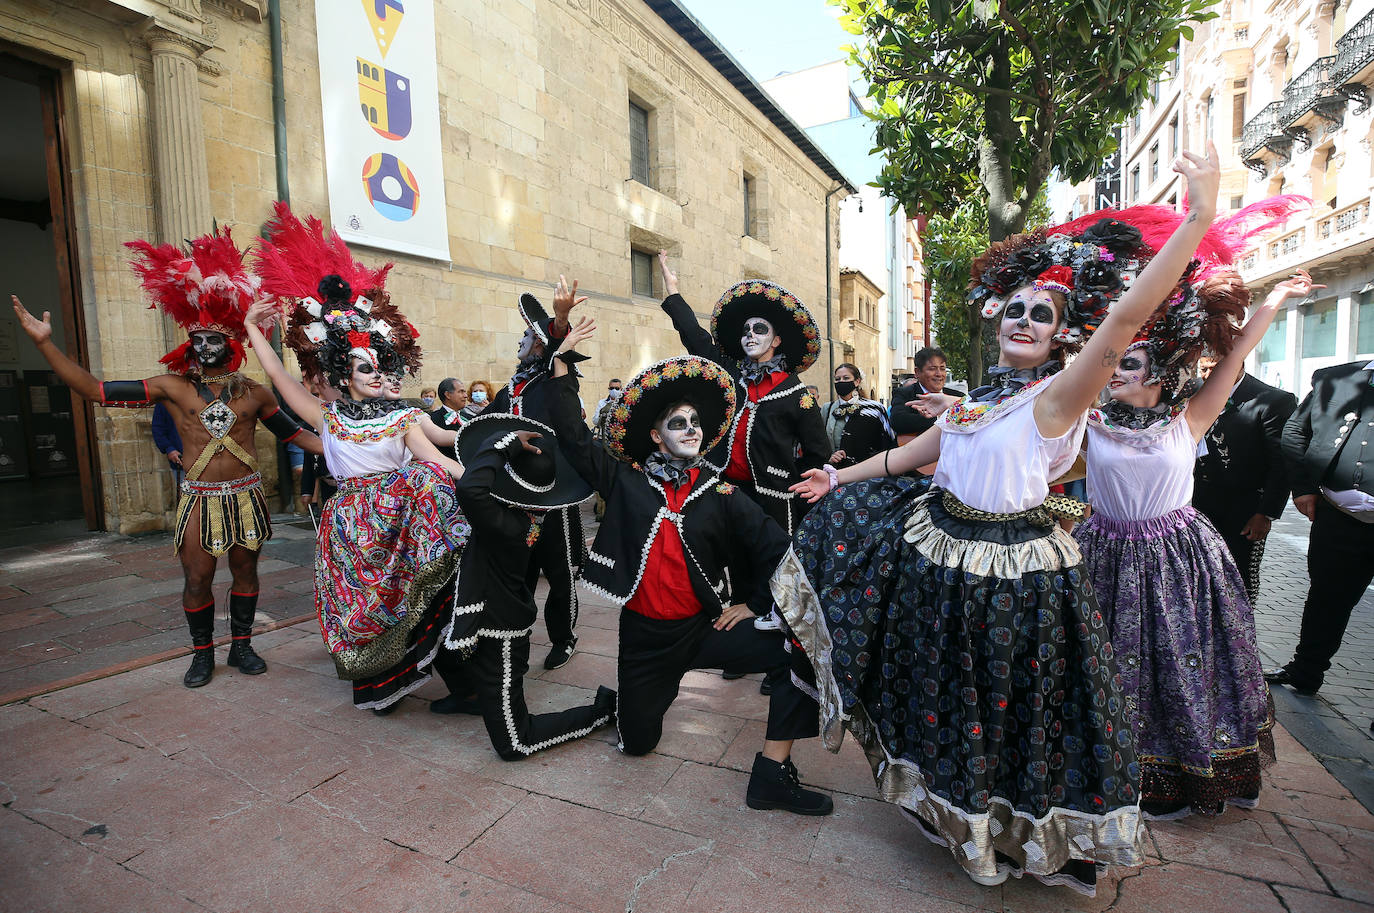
x=164 y=39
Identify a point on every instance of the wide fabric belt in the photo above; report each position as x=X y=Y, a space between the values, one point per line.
x=233 y=486
x=1054 y=508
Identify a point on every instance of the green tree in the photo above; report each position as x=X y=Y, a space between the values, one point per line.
x=950 y=245
x=982 y=98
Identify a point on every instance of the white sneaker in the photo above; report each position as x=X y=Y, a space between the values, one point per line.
x=768 y=622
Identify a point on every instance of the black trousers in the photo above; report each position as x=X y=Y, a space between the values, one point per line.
x=655 y=654
x=496 y=672
x=557 y=553
x=1340 y=561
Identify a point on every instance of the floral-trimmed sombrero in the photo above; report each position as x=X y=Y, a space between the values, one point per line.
x=682 y=378
x=543 y=481
x=796 y=328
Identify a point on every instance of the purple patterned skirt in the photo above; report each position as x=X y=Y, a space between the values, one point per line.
x=1184 y=636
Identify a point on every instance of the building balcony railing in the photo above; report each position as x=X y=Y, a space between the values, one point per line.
x=1344 y=221
x=1311 y=90
x=1260 y=128
x=1354 y=51
x=1327 y=239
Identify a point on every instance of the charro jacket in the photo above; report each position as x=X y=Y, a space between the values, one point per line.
x=719 y=524
x=786 y=420
x=1341 y=403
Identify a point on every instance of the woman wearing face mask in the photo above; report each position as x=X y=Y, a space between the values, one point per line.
x=952 y=633
x=389 y=540
x=479 y=397
x=857 y=427
x=1173 y=599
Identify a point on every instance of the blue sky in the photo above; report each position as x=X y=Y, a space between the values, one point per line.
x=773 y=36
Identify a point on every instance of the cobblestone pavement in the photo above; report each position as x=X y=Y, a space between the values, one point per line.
x=1334 y=724
x=130 y=792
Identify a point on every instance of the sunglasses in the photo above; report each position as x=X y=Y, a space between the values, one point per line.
x=757 y=329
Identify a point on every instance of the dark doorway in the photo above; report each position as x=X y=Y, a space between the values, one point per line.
x=47 y=455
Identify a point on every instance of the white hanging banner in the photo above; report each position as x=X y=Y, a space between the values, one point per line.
x=379 y=83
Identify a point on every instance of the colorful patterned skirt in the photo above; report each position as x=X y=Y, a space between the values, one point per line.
x=969 y=660
x=1184 y=635
x=388 y=549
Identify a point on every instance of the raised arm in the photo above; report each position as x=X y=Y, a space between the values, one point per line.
x=1059 y=407
x=302 y=402
x=82 y=382
x=695 y=339
x=1208 y=402
x=597 y=467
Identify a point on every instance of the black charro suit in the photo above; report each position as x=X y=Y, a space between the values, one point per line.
x=906 y=420
x=1329 y=444
x=440 y=418
x=1243 y=473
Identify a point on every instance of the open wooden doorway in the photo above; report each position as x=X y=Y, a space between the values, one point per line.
x=48 y=469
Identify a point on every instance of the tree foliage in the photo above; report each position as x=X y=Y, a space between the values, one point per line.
x=950 y=245
x=982 y=98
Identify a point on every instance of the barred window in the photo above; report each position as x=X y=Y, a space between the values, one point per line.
x=639 y=144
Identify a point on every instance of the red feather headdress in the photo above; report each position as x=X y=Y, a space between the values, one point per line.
x=207 y=288
x=293 y=260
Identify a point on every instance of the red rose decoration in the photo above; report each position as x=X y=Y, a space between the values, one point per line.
x=1060 y=274
x=357 y=339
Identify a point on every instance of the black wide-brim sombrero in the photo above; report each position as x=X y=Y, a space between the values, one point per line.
x=799 y=336
x=568 y=487
x=682 y=378
x=535 y=317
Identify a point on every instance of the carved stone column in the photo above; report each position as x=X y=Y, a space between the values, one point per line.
x=180 y=170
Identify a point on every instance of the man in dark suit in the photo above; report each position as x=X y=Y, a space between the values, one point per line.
x=452 y=397
x=1328 y=445
x=1240 y=483
x=931 y=373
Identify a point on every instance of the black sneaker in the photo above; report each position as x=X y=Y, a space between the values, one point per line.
x=776 y=786
x=559 y=654
x=766 y=687
x=733 y=676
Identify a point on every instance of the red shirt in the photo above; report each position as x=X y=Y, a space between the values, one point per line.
x=665 y=590
x=738 y=470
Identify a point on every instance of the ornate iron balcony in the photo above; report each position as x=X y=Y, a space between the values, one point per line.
x=1259 y=129
x=1354 y=50
x=1311 y=91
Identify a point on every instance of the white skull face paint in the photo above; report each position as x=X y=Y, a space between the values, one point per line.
x=530 y=346
x=364 y=379
x=1130 y=381
x=391 y=386
x=759 y=340
x=678 y=433
x=211 y=348
x=1028 y=325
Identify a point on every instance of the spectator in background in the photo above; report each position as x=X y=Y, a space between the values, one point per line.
x=932 y=371
x=857 y=427
x=453 y=396
x=428 y=397
x=612 y=396
x=480 y=394
x=168 y=441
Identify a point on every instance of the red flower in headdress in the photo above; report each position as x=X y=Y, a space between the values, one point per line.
x=359 y=339
x=1057 y=275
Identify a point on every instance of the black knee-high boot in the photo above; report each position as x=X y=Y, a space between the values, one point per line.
x=242 y=608
x=201 y=621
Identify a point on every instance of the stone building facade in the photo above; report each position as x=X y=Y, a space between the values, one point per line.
x=163 y=116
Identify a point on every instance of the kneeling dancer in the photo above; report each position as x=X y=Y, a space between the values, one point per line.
x=670 y=529
x=216 y=410
x=515 y=482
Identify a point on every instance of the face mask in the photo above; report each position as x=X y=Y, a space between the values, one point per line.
x=427 y=400
x=614 y=394
x=479 y=396
x=844 y=387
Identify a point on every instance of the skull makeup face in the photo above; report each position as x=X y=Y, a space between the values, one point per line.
x=1028 y=325
x=391 y=386
x=211 y=348
x=365 y=380
x=759 y=340
x=1130 y=381
x=530 y=346
x=678 y=432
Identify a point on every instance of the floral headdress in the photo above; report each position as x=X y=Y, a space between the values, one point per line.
x=202 y=288
x=337 y=306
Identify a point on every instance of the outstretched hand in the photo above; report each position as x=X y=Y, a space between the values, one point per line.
x=669 y=277
x=40 y=331
x=933 y=404
x=263 y=314
x=580 y=332
x=565 y=298
x=525 y=438
x=1299 y=285
x=814 y=485
x=1203 y=175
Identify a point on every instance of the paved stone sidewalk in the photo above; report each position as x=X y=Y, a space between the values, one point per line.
x=1333 y=725
x=132 y=793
